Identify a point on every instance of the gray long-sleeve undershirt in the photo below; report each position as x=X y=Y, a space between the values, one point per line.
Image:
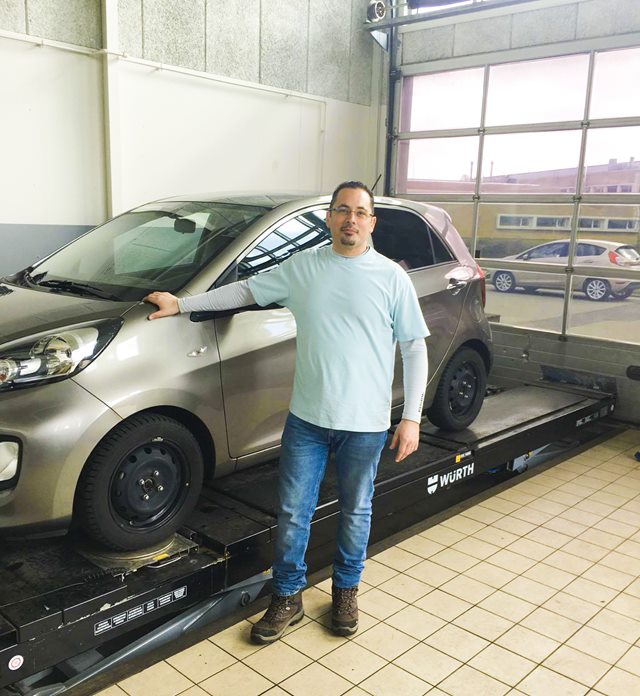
x=415 y=365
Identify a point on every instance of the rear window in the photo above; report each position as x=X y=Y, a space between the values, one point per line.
x=628 y=252
x=589 y=250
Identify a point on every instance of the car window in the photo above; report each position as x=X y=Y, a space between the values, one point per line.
x=158 y=246
x=304 y=231
x=404 y=237
x=553 y=250
x=628 y=252
x=588 y=250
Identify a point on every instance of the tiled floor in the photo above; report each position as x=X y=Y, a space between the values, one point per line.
x=535 y=590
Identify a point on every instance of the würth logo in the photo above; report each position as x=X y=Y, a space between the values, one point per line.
x=448 y=477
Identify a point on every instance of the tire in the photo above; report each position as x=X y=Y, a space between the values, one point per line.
x=140 y=483
x=503 y=281
x=596 y=289
x=460 y=391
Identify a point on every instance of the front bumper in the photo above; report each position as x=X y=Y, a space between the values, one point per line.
x=57 y=426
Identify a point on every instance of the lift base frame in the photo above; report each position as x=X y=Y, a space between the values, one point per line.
x=56 y=604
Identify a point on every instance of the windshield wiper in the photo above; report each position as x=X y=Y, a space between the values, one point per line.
x=78 y=288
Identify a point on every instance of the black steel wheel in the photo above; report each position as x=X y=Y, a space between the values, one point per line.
x=596 y=289
x=460 y=391
x=140 y=483
x=503 y=281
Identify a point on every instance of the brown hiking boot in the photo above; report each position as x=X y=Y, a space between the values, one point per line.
x=344 y=617
x=283 y=611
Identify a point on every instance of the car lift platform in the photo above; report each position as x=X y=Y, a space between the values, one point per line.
x=69 y=613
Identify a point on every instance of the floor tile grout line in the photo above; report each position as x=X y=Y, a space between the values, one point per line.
x=461 y=573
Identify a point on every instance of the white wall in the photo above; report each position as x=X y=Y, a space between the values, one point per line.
x=180 y=133
x=51 y=136
x=165 y=132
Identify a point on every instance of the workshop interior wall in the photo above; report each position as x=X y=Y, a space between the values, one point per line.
x=191 y=96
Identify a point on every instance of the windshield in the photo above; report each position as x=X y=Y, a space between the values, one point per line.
x=159 y=246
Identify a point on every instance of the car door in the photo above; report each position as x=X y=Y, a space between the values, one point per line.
x=406 y=238
x=257 y=346
x=553 y=252
x=587 y=256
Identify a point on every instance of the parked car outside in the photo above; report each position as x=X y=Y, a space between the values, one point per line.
x=111 y=423
x=589 y=253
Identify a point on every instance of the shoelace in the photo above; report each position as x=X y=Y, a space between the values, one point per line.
x=345 y=599
x=278 y=608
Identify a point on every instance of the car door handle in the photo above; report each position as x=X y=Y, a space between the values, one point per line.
x=456 y=285
x=197 y=353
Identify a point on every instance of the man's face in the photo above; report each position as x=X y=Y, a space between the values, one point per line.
x=351 y=222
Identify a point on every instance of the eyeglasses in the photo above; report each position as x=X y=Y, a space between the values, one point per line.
x=344 y=211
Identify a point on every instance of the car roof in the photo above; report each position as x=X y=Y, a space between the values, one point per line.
x=274 y=199
x=264 y=200
x=582 y=240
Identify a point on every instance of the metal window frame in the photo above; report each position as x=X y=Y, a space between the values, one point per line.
x=576 y=200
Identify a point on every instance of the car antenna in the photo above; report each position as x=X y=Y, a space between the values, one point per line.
x=373 y=188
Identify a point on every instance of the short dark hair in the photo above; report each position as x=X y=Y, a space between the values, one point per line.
x=351 y=185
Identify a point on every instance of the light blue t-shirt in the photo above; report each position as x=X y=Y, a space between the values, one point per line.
x=349 y=312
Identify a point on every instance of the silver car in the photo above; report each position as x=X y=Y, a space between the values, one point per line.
x=589 y=253
x=112 y=423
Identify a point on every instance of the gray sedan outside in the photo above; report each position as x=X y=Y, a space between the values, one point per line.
x=590 y=253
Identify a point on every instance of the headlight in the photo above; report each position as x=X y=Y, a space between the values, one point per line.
x=54 y=355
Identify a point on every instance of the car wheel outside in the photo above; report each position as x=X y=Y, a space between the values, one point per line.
x=460 y=391
x=140 y=483
x=503 y=281
x=596 y=289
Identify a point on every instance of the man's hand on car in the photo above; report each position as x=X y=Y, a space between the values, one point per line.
x=166 y=302
x=405 y=438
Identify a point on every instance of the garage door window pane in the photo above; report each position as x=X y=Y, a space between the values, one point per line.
x=462 y=218
x=603 y=306
x=543 y=162
x=539 y=91
x=612 y=161
x=505 y=229
x=615 y=79
x=430 y=165
x=442 y=100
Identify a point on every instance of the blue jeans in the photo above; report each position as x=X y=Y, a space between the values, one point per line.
x=303 y=460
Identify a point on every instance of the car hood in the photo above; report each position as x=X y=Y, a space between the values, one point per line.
x=25 y=312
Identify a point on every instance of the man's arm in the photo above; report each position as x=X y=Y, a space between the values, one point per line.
x=415 y=370
x=229 y=296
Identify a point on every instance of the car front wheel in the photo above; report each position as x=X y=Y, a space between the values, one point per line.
x=596 y=289
x=460 y=391
x=140 y=483
x=503 y=281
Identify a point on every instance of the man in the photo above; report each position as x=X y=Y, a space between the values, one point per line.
x=351 y=306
